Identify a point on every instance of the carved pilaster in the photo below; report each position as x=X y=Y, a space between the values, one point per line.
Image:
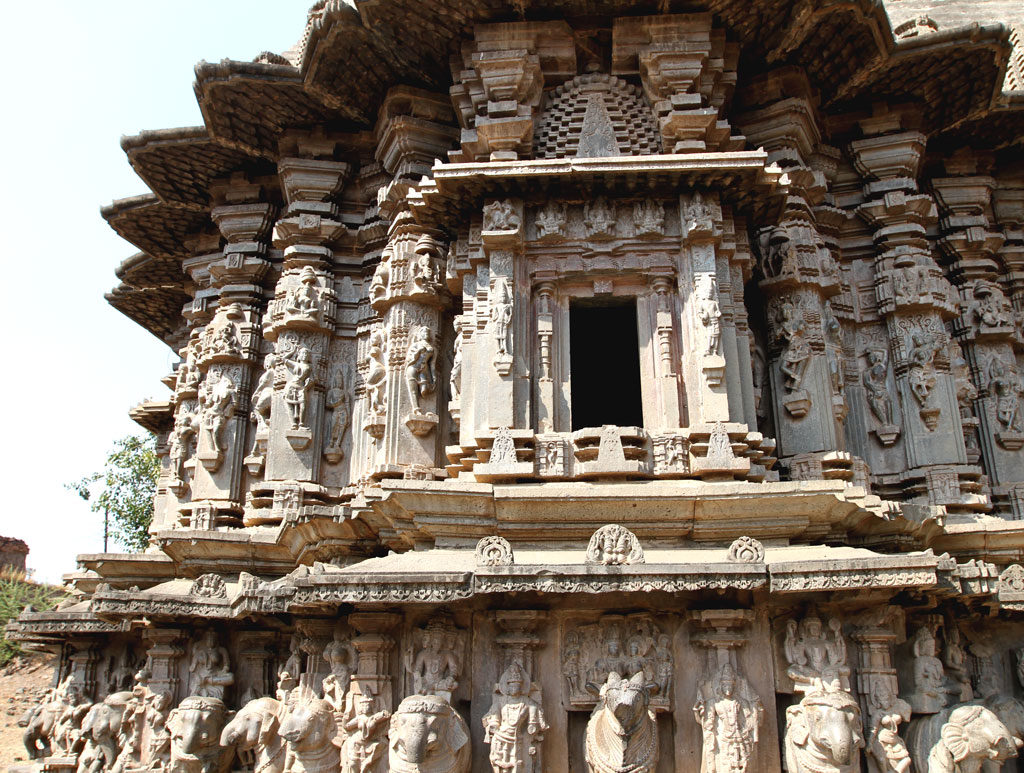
x=164 y=649
x=256 y=676
x=373 y=645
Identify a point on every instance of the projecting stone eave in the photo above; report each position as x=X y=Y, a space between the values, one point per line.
x=49 y=630
x=437 y=512
x=154 y=415
x=156 y=228
x=985 y=538
x=124 y=570
x=199 y=551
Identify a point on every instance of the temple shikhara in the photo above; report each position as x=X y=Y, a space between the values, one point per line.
x=573 y=387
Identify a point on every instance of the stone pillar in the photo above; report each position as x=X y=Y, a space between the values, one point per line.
x=799 y=274
x=877 y=682
x=164 y=650
x=373 y=645
x=518 y=637
x=300 y=321
x=83 y=662
x=915 y=300
x=987 y=379
x=544 y=382
x=228 y=349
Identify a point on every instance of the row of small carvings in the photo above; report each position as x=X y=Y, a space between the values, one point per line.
x=824 y=730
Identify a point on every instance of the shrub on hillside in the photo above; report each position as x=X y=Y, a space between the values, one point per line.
x=16 y=593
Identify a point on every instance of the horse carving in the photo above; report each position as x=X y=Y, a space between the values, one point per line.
x=255 y=728
x=622 y=736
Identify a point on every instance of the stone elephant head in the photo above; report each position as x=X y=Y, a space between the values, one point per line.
x=104 y=719
x=195 y=728
x=254 y=725
x=970 y=737
x=309 y=728
x=428 y=736
x=1010 y=711
x=824 y=734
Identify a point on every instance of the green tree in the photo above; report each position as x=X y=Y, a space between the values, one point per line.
x=128 y=484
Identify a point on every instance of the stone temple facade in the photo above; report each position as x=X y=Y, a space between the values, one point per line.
x=580 y=386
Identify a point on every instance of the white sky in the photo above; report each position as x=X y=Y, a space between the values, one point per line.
x=79 y=75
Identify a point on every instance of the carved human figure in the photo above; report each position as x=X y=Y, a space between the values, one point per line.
x=823 y=733
x=501 y=314
x=224 y=340
x=263 y=395
x=209 y=674
x=1005 y=386
x=599 y=216
x=885 y=746
x=365 y=742
x=551 y=220
x=664 y=667
x=622 y=736
x=793 y=363
x=298 y=383
x=337 y=402
x=816 y=659
x=216 y=406
x=67 y=725
x=515 y=724
x=158 y=745
x=340 y=655
x=179 y=442
x=501 y=216
x=455 y=379
x=833 y=348
x=929 y=693
x=989 y=306
x=710 y=315
x=435 y=668
x=921 y=374
x=426 y=735
x=381 y=277
x=376 y=374
x=424 y=275
x=648 y=217
x=876 y=386
x=302 y=299
x=698 y=214
x=255 y=729
x=729 y=713
x=188 y=374
x=571 y=662
x=419 y=367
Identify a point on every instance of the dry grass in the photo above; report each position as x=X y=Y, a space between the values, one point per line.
x=16 y=593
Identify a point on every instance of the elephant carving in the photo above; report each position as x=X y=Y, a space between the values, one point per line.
x=968 y=738
x=195 y=728
x=428 y=736
x=256 y=728
x=100 y=729
x=622 y=736
x=824 y=734
x=309 y=728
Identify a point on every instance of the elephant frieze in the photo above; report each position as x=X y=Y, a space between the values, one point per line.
x=256 y=728
x=969 y=738
x=195 y=728
x=427 y=735
x=309 y=728
x=100 y=730
x=824 y=734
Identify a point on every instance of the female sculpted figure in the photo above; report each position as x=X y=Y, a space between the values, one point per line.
x=929 y=694
x=297 y=384
x=419 y=367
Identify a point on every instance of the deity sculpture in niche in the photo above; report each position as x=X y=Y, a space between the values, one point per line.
x=179 y=443
x=1005 y=387
x=420 y=380
x=989 y=308
x=921 y=373
x=302 y=299
x=514 y=726
x=730 y=714
x=551 y=220
x=816 y=658
x=263 y=398
x=341 y=656
x=599 y=217
x=365 y=738
x=216 y=406
x=928 y=693
x=209 y=674
x=795 y=357
x=188 y=374
x=336 y=401
x=876 y=387
x=833 y=355
x=434 y=658
x=698 y=214
x=709 y=313
x=500 y=301
x=455 y=377
x=648 y=217
x=631 y=643
x=376 y=382
x=158 y=747
x=622 y=735
x=378 y=289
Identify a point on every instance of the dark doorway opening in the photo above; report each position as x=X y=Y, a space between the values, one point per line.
x=605 y=363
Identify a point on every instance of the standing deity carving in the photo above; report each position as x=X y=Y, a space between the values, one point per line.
x=514 y=726
x=876 y=386
x=337 y=402
x=216 y=406
x=622 y=735
x=434 y=667
x=455 y=377
x=500 y=301
x=298 y=383
x=376 y=382
x=833 y=350
x=209 y=674
x=921 y=374
x=263 y=396
x=179 y=442
x=1005 y=387
x=795 y=357
x=365 y=728
x=709 y=313
x=340 y=655
x=419 y=367
x=730 y=714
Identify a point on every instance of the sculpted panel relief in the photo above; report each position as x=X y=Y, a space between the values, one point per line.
x=624 y=644
x=434 y=658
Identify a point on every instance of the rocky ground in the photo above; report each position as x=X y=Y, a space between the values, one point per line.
x=23 y=682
